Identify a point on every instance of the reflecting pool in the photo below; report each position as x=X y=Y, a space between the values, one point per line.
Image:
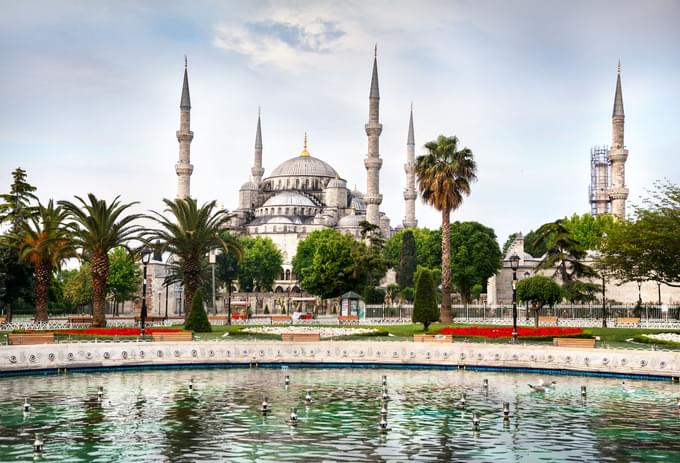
x=153 y=416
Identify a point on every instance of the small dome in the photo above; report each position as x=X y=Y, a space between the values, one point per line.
x=249 y=186
x=336 y=183
x=357 y=194
x=350 y=221
x=289 y=198
x=357 y=204
x=279 y=219
x=304 y=166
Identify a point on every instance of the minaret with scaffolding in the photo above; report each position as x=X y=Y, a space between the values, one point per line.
x=600 y=167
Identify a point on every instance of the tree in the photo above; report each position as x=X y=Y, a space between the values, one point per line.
x=407 y=261
x=97 y=227
x=368 y=263
x=260 y=265
x=324 y=263
x=77 y=286
x=197 y=320
x=425 y=303
x=16 y=205
x=428 y=247
x=539 y=291
x=564 y=254
x=43 y=242
x=125 y=276
x=588 y=230
x=444 y=177
x=475 y=256
x=191 y=234
x=532 y=246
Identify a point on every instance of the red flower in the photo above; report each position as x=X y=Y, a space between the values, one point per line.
x=116 y=331
x=506 y=331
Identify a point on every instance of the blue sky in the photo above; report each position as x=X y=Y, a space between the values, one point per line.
x=91 y=90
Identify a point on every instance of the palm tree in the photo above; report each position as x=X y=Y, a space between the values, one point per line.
x=191 y=234
x=44 y=242
x=444 y=176
x=98 y=227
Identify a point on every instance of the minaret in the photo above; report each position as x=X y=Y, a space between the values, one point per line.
x=618 y=155
x=184 y=137
x=410 y=194
x=257 y=169
x=373 y=198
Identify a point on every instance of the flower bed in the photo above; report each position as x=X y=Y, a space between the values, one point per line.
x=669 y=339
x=325 y=332
x=115 y=331
x=506 y=331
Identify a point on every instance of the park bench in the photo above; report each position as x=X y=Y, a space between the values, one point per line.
x=574 y=342
x=151 y=319
x=628 y=321
x=80 y=319
x=30 y=338
x=446 y=338
x=217 y=318
x=2 y=319
x=301 y=337
x=172 y=336
x=280 y=318
x=548 y=320
x=348 y=318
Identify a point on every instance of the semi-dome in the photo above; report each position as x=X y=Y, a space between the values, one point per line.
x=249 y=186
x=350 y=221
x=357 y=204
x=289 y=198
x=336 y=183
x=304 y=166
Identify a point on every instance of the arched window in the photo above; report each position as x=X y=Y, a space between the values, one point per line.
x=287 y=211
x=287 y=274
x=281 y=277
x=297 y=183
x=278 y=210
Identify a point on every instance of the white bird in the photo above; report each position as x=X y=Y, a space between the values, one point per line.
x=265 y=406
x=308 y=397
x=542 y=387
x=626 y=389
x=38 y=444
x=27 y=406
x=191 y=385
x=293 y=420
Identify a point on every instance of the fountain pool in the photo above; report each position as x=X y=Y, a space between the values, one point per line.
x=154 y=416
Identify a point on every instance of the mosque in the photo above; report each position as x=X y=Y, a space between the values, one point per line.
x=305 y=193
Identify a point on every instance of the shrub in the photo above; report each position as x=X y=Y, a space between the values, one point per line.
x=198 y=319
x=266 y=309
x=425 y=309
x=374 y=295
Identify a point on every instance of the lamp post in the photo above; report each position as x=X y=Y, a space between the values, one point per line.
x=211 y=259
x=514 y=265
x=146 y=257
x=604 y=304
x=526 y=303
x=230 y=273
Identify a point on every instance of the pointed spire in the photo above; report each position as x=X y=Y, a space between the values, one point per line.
x=618 y=97
x=258 y=133
x=185 y=102
x=375 y=92
x=411 y=139
x=304 y=152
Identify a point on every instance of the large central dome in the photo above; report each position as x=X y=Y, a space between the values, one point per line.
x=304 y=166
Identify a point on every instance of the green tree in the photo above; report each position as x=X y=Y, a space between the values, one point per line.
x=475 y=255
x=190 y=234
x=42 y=241
x=369 y=265
x=260 y=265
x=588 y=230
x=564 y=254
x=125 y=276
x=197 y=320
x=425 y=302
x=407 y=260
x=97 y=227
x=538 y=291
x=428 y=247
x=78 y=286
x=16 y=207
x=533 y=246
x=444 y=176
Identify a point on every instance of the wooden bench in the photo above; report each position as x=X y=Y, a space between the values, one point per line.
x=348 y=318
x=32 y=338
x=301 y=337
x=82 y=319
x=172 y=336
x=280 y=318
x=446 y=338
x=574 y=342
x=628 y=321
x=547 y=319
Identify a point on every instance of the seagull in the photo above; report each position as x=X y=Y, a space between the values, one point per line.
x=293 y=420
x=27 y=406
x=191 y=385
x=542 y=387
x=308 y=397
x=265 y=406
x=626 y=389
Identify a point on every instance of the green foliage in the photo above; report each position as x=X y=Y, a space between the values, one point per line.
x=260 y=264
x=266 y=309
x=425 y=309
x=324 y=263
x=579 y=292
x=77 y=286
x=588 y=230
x=539 y=291
x=16 y=207
x=17 y=282
x=407 y=260
x=197 y=320
x=475 y=256
x=564 y=254
x=125 y=276
x=368 y=264
x=533 y=246
x=391 y=292
x=428 y=247
x=407 y=293
x=476 y=291
x=373 y=295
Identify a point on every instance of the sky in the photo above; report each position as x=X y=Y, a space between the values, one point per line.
x=91 y=92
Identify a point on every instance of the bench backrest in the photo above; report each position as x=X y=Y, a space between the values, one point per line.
x=30 y=338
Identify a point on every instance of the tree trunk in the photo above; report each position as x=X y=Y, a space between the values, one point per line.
x=445 y=311
x=537 y=308
x=42 y=291
x=192 y=282
x=100 y=275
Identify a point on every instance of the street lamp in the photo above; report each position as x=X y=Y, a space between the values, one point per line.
x=526 y=303
x=211 y=259
x=514 y=265
x=146 y=257
x=230 y=274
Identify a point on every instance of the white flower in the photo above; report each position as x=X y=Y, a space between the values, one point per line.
x=325 y=332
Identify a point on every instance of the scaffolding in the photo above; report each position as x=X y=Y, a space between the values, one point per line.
x=598 y=191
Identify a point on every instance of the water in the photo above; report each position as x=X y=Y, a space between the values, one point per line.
x=152 y=416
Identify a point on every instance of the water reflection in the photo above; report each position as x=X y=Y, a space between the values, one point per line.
x=152 y=416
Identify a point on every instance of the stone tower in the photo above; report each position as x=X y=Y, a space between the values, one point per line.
x=257 y=169
x=410 y=194
x=184 y=168
x=618 y=193
x=373 y=198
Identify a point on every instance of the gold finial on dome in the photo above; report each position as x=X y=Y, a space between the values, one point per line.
x=304 y=152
